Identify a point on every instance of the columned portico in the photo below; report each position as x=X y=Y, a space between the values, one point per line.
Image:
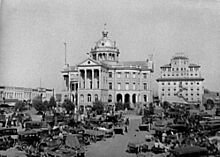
x=102 y=75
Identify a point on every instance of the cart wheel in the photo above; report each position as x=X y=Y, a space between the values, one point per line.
x=87 y=140
x=24 y=146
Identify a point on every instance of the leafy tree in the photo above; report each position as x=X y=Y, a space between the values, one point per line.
x=127 y=105
x=119 y=106
x=151 y=108
x=165 y=105
x=68 y=105
x=38 y=104
x=46 y=104
x=19 y=106
x=98 y=106
x=52 y=103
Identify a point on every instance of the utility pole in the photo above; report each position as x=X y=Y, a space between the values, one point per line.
x=65 y=52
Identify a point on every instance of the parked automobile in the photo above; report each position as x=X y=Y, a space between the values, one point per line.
x=26 y=138
x=188 y=151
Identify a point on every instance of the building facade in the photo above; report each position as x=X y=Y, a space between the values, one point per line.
x=13 y=94
x=180 y=81
x=102 y=77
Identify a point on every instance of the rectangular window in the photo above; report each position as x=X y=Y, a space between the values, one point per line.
x=119 y=86
x=133 y=86
x=134 y=74
x=145 y=86
x=110 y=74
x=126 y=86
x=119 y=74
x=145 y=75
x=126 y=74
x=110 y=85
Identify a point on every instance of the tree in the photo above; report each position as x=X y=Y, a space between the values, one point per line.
x=19 y=106
x=98 y=106
x=38 y=104
x=127 y=105
x=151 y=108
x=52 y=103
x=165 y=105
x=46 y=104
x=119 y=106
x=68 y=105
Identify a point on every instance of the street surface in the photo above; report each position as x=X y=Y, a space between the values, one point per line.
x=117 y=146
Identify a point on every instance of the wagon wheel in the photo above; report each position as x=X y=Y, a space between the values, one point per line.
x=86 y=140
x=24 y=146
x=94 y=139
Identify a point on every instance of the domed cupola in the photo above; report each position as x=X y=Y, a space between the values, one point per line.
x=105 y=49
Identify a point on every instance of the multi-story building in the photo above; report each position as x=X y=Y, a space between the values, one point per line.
x=180 y=81
x=102 y=77
x=13 y=94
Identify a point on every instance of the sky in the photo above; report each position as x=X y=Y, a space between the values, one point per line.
x=33 y=32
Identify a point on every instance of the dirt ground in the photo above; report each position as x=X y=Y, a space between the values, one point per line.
x=117 y=146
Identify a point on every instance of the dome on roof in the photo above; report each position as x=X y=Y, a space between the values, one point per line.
x=105 y=42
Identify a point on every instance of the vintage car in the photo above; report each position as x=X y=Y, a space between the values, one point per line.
x=6 y=142
x=108 y=132
x=188 y=151
x=3 y=119
x=143 y=127
x=50 y=143
x=94 y=135
x=137 y=146
x=35 y=125
x=60 y=153
x=28 y=137
x=8 y=131
x=119 y=130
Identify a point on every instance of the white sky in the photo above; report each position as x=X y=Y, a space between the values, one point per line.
x=32 y=33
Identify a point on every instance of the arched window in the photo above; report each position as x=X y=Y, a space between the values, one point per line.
x=81 y=98
x=109 y=98
x=89 y=97
x=96 y=97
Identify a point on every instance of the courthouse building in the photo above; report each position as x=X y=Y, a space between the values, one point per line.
x=180 y=81
x=103 y=77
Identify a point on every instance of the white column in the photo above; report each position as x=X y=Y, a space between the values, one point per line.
x=137 y=98
x=93 y=80
x=100 y=79
x=123 y=98
x=85 y=79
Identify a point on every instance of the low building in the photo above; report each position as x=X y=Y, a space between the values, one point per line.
x=13 y=94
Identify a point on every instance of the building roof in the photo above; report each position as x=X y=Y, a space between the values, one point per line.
x=194 y=65
x=181 y=56
x=133 y=65
x=180 y=79
x=166 y=66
